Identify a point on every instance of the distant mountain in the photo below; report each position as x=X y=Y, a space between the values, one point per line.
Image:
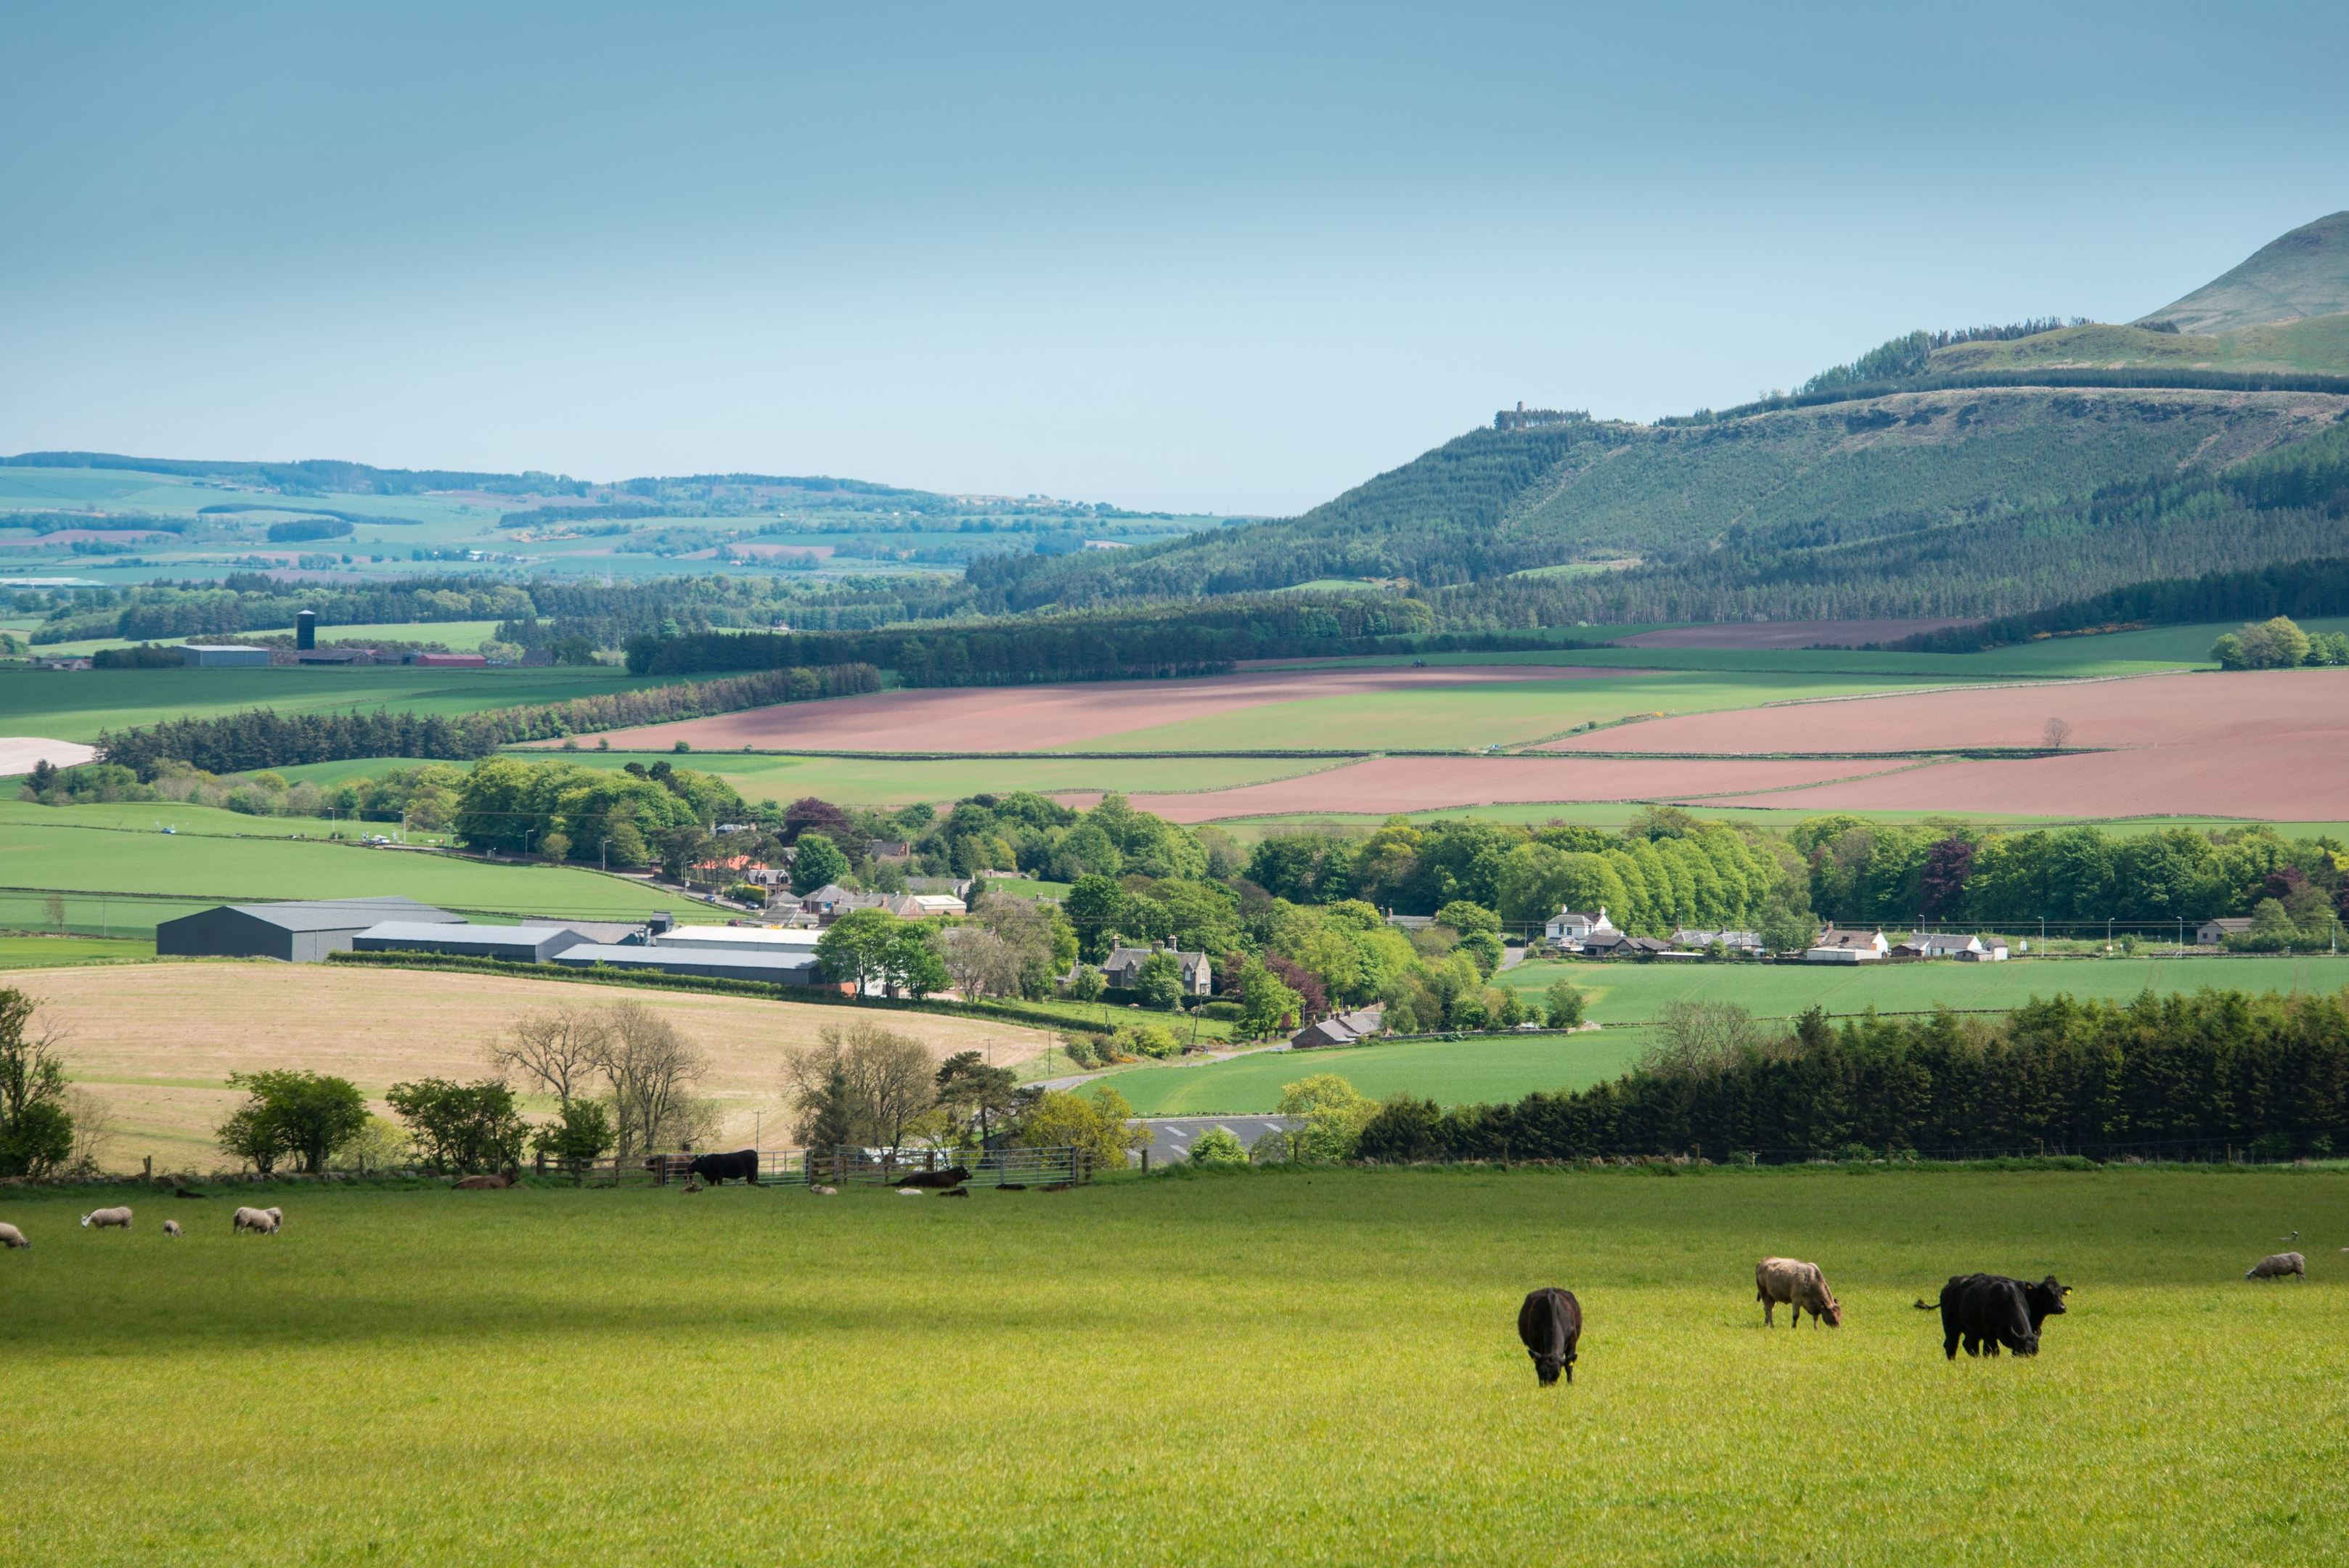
x=1985 y=473
x=2303 y=273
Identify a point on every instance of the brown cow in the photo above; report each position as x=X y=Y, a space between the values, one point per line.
x=1801 y=1286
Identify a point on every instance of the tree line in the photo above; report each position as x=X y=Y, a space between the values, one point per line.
x=2269 y=1073
x=263 y=738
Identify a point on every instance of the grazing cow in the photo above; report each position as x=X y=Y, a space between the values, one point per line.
x=952 y=1175
x=12 y=1238
x=1550 y=1323
x=742 y=1164
x=1987 y=1311
x=1801 y=1286
x=170 y=1227
x=183 y=1192
x=260 y=1221
x=2276 y=1265
x=1022 y=1187
x=955 y=1192
x=107 y=1219
x=493 y=1183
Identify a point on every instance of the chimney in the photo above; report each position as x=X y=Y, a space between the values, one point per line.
x=305 y=629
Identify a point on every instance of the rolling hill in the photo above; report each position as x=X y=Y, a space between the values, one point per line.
x=1976 y=474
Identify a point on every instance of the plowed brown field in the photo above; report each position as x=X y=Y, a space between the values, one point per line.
x=157 y=1042
x=1432 y=783
x=1031 y=718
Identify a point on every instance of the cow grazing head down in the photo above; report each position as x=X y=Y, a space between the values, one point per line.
x=1549 y=1325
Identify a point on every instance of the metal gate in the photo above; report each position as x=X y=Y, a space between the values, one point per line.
x=987 y=1166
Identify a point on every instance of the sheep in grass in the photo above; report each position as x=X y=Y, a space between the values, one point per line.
x=12 y=1238
x=2278 y=1265
x=825 y=1191
x=107 y=1219
x=170 y=1227
x=260 y=1221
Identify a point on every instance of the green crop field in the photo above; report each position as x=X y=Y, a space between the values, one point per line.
x=1309 y=1367
x=204 y=821
x=147 y=877
x=878 y=782
x=1636 y=993
x=50 y=952
x=1455 y=1072
x=460 y=636
x=75 y=705
x=1499 y=713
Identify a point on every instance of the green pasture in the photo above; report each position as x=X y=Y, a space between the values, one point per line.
x=864 y=781
x=204 y=821
x=1629 y=992
x=1473 y=1071
x=1295 y=1367
x=146 y=876
x=460 y=636
x=53 y=952
x=75 y=705
x=1491 y=713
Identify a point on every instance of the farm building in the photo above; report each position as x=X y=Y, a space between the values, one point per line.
x=449 y=660
x=2210 y=933
x=739 y=938
x=1835 y=946
x=1612 y=943
x=1734 y=942
x=1123 y=966
x=222 y=655
x=769 y=968
x=507 y=944
x=1342 y=1029
x=304 y=932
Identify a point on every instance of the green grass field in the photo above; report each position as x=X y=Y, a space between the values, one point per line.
x=1310 y=1368
x=869 y=782
x=1496 y=1067
x=1500 y=712
x=48 y=952
x=1455 y=1072
x=461 y=636
x=75 y=705
x=1636 y=993
x=153 y=877
x=209 y=821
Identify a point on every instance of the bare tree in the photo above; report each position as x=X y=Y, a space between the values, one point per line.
x=93 y=1127
x=559 y=1050
x=861 y=1084
x=1702 y=1037
x=1026 y=928
x=2058 y=731
x=649 y=1068
x=980 y=963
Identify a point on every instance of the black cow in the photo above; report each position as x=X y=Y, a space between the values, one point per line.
x=715 y=1168
x=1550 y=1322
x=1987 y=1311
x=952 y=1175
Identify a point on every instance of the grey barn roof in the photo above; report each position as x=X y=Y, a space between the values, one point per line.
x=344 y=914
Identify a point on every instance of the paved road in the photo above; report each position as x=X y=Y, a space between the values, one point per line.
x=1171 y=1137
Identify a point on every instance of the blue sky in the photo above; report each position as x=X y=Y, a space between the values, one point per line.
x=1229 y=258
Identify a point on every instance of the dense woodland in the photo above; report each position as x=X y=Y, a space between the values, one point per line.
x=2181 y=1076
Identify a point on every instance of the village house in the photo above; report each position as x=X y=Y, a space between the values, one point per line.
x=1342 y=1028
x=1124 y=965
x=1734 y=942
x=1571 y=929
x=1837 y=946
x=1612 y=943
x=2212 y=933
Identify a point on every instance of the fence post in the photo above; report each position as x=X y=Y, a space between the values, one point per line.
x=1146 y=1159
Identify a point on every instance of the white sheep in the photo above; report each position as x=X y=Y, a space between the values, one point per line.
x=260 y=1221
x=2276 y=1265
x=106 y=1219
x=12 y=1238
x=834 y=1193
x=911 y=1192
x=170 y=1227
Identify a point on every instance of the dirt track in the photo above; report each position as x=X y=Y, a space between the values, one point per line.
x=157 y=1042
x=1031 y=718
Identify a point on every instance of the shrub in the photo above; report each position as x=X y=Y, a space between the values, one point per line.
x=1217 y=1145
x=1562 y=1005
